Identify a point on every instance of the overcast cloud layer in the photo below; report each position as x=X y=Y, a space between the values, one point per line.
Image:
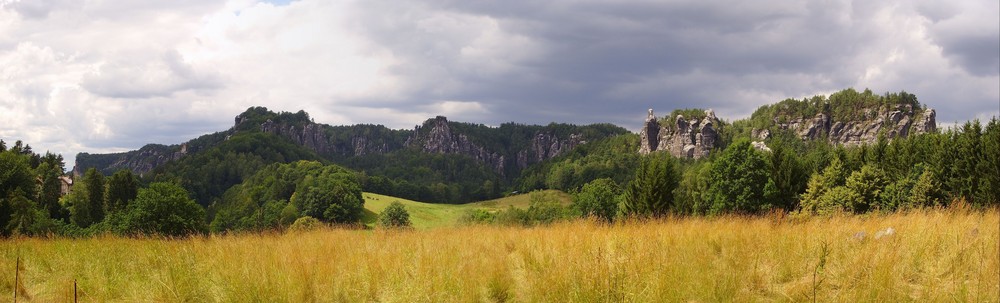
x=104 y=76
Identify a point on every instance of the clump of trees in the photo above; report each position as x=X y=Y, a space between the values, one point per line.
x=803 y=177
x=32 y=202
x=394 y=216
x=598 y=199
x=651 y=191
x=163 y=209
x=29 y=191
x=279 y=194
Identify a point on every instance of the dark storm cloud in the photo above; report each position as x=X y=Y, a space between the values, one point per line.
x=970 y=38
x=608 y=61
x=112 y=75
x=977 y=54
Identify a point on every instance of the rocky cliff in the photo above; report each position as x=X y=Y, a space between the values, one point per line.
x=546 y=145
x=324 y=140
x=438 y=136
x=507 y=149
x=139 y=161
x=440 y=139
x=695 y=137
x=891 y=121
x=692 y=137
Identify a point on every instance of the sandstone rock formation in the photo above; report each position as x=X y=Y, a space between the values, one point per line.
x=893 y=122
x=683 y=138
x=139 y=162
x=649 y=137
x=759 y=145
x=315 y=137
x=533 y=144
x=442 y=139
x=544 y=146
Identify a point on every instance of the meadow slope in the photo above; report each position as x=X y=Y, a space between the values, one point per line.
x=932 y=255
x=431 y=215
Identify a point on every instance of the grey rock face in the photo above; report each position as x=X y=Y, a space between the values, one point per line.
x=314 y=137
x=683 y=139
x=893 y=122
x=442 y=140
x=649 y=136
x=140 y=161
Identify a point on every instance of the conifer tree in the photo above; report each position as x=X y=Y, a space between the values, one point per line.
x=651 y=191
x=123 y=186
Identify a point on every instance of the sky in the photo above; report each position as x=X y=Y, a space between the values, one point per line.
x=113 y=75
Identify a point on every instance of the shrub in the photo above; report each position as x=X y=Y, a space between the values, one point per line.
x=394 y=216
x=598 y=199
x=477 y=216
x=305 y=223
x=162 y=209
x=544 y=208
x=740 y=180
x=868 y=183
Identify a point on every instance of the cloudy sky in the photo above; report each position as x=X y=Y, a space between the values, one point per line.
x=113 y=75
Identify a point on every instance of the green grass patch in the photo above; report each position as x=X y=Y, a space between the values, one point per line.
x=431 y=215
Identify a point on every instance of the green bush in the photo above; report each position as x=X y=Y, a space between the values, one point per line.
x=741 y=181
x=394 y=216
x=868 y=183
x=305 y=223
x=161 y=209
x=598 y=199
x=477 y=216
x=544 y=208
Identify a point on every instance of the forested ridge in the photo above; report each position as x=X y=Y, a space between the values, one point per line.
x=440 y=161
x=253 y=178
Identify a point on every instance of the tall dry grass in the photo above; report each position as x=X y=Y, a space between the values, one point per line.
x=934 y=255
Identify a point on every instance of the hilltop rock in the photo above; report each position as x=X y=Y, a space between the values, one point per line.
x=506 y=150
x=441 y=139
x=894 y=122
x=139 y=161
x=545 y=145
x=649 y=136
x=316 y=138
x=684 y=138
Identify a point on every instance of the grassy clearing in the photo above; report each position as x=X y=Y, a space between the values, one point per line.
x=931 y=256
x=430 y=215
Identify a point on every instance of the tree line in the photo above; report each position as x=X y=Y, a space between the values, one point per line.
x=32 y=201
x=960 y=165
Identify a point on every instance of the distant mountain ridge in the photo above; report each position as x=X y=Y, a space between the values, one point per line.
x=506 y=149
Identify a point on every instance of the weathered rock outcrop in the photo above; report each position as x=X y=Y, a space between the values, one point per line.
x=683 y=138
x=649 y=136
x=507 y=149
x=319 y=138
x=441 y=139
x=899 y=121
x=544 y=146
x=139 y=161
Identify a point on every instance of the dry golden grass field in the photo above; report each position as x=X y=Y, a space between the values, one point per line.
x=932 y=255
